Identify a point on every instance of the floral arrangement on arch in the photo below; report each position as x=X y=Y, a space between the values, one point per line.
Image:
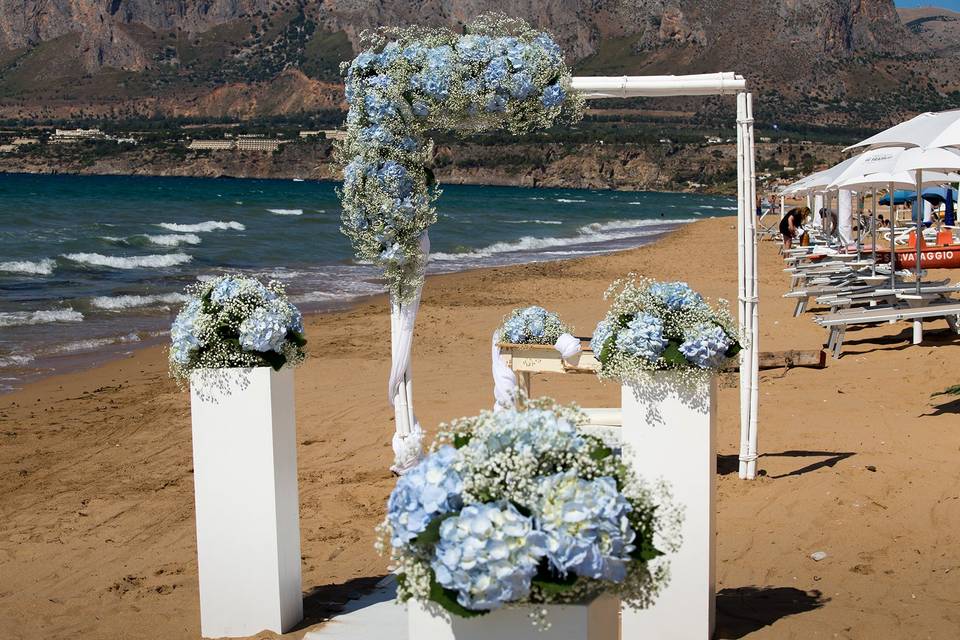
x=653 y=326
x=520 y=508
x=532 y=325
x=500 y=74
x=235 y=321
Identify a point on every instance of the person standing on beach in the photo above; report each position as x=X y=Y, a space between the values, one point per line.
x=788 y=226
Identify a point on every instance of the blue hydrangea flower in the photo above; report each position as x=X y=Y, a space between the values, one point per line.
x=408 y=144
x=526 y=325
x=488 y=554
x=553 y=96
x=472 y=48
x=183 y=334
x=705 y=346
x=352 y=172
x=378 y=134
x=265 y=329
x=380 y=82
x=600 y=335
x=642 y=337
x=395 y=179
x=414 y=52
x=296 y=320
x=516 y=54
x=420 y=109
x=521 y=86
x=676 y=295
x=436 y=86
x=530 y=432
x=496 y=73
x=586 y=525
x=378 y=107
x=229 y=287
x=393 y=254
x=430 y=489
x=366 y=60
x=496 y=104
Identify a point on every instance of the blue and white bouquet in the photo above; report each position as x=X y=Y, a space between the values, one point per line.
x=520 y=508
x=532 y=325
x=654 y=326
x=500 y=74
x=235 y=321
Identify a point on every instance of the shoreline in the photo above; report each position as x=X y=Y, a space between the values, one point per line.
x=108 y=352
x=97 y=534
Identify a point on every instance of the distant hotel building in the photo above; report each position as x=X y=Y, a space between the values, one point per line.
x=329 y=134
x=62 y=136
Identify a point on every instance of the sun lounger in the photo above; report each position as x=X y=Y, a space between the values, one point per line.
x=837 y=322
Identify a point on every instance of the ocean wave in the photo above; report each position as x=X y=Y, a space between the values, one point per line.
x=95 y=343
x=39 y=268
x=202 y=227
x=533 y=221
x=44 y=316
x=129 y=262
x=14 y=360
x=594 y=233
x=173 y=239
x=568 y=200
x=118 y=303
x=286 y=212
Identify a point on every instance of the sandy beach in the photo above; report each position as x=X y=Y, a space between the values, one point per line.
x=858 y=460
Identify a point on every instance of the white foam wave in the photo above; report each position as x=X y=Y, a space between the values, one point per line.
x=597 y=232
x=14 y=360
x=44 y=316
x=286 y=212
x=129 y=262
x=95 y=343
x=39 y=268
x=569 y=200
x=533 y=221
x=174 y=239
x=203 y=227
x=118 y=303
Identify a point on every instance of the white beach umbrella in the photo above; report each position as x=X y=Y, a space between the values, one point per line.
x=933 y=159
x=949 y=137
x=920 y=131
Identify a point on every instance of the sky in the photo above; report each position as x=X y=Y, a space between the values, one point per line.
x=948 y=4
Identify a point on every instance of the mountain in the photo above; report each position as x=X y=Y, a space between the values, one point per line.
x=813 y=62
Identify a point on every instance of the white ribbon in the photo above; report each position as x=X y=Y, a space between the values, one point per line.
x=505 y=380
x=408 y=439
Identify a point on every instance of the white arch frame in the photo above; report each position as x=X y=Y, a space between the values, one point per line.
x=407 y=438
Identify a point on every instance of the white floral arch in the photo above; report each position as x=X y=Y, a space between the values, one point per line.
x=406 y=259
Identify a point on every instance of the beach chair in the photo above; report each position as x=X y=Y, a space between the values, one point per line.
x=837 y=322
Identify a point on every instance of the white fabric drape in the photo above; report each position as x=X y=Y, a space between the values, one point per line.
x=408 y=439
x=505 y=380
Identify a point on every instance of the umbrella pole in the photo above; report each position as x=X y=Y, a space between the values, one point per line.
x=873 y=228
x=893 y=241
x=918 y=324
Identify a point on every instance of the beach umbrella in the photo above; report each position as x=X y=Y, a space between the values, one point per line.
x=924 y=130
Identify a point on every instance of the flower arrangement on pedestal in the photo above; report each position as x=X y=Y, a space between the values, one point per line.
x=235 y=321
x=655 y=326
x=532 y=325
x=500 y=74
x=520 y=508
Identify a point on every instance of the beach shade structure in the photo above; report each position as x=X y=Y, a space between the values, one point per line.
x=937 y=195
x=949 y=208
x=926 y=130
x=900 y=196
x=915 y=136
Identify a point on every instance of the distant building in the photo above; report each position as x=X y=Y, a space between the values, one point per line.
x=8 y=148
x=75 y=135
x=714 y=140
x=211 y=145
x=257 y=144
x=22 y=141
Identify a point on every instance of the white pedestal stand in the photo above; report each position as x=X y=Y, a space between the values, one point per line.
x=670 y=430
x=245 y=482
x=594 y=621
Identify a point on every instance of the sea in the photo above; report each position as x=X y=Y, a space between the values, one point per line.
x=92 y=267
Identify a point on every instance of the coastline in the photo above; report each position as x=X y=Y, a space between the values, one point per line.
x=97 y=536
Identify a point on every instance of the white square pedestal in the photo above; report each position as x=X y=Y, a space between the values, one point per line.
x=597 y=620
x=245 y=483
x=669 y=428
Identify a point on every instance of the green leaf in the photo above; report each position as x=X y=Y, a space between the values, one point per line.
x=734 y=349
x=553 y=584
x=646 y=552
x=949 y=391
x=672 y=355
x=296 y=338
x=431 y=535
x=461 y=440
x=606 y=350
x=600 y=452
x=522 y=510
x=447 y=598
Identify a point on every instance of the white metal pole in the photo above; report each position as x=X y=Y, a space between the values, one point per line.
x=753 y=302
x=918 y=323
x=873 y=227
x=743 y=209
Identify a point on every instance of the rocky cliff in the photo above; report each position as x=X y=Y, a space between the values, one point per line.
x=822 y=61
